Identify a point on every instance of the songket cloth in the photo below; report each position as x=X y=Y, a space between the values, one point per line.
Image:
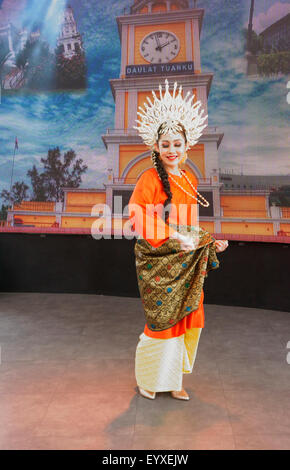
x=170 y=282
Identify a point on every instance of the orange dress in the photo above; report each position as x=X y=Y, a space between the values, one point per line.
x=149 y=190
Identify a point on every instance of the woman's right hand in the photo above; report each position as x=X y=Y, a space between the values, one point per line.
x=187 y=242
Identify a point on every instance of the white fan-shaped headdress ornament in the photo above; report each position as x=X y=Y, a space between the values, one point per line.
x=171 y=110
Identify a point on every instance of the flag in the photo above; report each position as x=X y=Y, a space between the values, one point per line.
x=16 y=143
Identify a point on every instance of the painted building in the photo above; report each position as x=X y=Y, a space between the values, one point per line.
x=233 y=210
x=69 y=38
x=278 y=32
x=143 y=68
x=12 y=41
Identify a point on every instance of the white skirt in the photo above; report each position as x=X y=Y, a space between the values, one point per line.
x=160 y=363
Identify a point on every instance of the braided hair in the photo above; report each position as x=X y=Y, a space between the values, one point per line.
x=163 y=175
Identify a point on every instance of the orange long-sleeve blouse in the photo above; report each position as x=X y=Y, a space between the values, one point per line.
x=150 y=225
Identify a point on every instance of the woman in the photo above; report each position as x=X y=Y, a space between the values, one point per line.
x=173 y=254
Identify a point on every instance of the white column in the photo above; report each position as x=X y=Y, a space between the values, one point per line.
x=58 y=206
x=217 y=226
x=196 y=44
x=275 y=212
x=168 y=2
x=216 y=202
x=132 y=108
x=110 y=164
x=113 y=154
x=65 y=201
x=58 y=212
x=268 y=205
x=109 y=197
x=110 y=175
x=149 y=7
x=131 y=45
x=119 y=109
x=276 y=227
x=210 y=158
x=124 y=49
x=188 y=39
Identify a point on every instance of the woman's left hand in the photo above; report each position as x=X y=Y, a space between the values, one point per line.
x=221 y=245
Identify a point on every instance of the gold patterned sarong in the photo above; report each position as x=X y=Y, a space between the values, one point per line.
x=170 y=280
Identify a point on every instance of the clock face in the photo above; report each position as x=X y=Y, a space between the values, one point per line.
x=159 y=47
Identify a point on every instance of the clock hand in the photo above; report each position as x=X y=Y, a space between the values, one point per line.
x=158 y=43
x=163 y=45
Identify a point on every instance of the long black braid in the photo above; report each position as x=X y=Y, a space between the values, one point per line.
x=164 y=180
x=163 y=175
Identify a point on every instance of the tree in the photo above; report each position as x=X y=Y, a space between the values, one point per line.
x=38 y=64
x=275 y=63
x=57 y=175
x=38 y=185
x=17 y=194
x=3 y=212
x=70 y=72
x=281 y=197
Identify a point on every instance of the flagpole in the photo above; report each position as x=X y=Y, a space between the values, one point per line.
x=12 y=172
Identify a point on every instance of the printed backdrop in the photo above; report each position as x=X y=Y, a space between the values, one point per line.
x=252 y=112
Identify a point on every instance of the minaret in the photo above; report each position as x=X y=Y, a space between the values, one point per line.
x=69 y=38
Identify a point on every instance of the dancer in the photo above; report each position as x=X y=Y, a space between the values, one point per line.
x=173 y=254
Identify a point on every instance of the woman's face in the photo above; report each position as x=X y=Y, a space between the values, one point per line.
x=171 y=148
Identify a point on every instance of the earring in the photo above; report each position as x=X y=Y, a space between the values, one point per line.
x=184 y=157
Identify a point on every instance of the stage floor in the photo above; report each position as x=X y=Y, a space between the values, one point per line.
x=67 y=378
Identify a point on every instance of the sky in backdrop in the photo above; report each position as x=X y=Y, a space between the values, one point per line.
x=252 y=113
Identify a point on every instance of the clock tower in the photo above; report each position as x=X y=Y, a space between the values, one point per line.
x=159 y=40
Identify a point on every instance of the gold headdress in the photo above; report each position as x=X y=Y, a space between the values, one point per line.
x=171 y=110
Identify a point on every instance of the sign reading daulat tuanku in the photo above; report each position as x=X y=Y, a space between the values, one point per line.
x=159 y=69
